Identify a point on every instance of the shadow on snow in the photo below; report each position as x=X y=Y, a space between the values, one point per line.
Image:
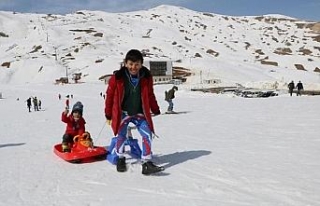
x=180 y=157
x=11 y=145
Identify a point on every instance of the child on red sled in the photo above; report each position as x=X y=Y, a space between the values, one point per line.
x=75 y=125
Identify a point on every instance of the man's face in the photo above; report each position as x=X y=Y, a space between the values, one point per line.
x=133 y=67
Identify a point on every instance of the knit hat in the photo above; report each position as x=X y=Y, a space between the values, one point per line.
x=78 y=106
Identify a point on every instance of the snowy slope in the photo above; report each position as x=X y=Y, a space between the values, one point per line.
x=224 y=151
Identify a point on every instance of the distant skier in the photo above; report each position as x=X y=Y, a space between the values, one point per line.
x=291 y=87
x=300 y=88
x=169 y=96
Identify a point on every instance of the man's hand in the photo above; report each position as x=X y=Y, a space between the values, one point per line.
x=156 y=113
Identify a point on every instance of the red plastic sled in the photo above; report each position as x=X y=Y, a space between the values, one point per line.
x=81 y=151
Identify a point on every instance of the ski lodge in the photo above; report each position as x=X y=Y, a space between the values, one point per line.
x=160 y=70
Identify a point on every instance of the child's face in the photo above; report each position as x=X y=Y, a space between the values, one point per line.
x=76 y=115
x=133 y=67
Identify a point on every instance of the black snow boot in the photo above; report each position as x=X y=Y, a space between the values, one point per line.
x=150 y=168
x=121 y=164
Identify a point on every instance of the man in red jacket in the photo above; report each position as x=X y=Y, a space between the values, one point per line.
x=75 y=125
x=130 y=98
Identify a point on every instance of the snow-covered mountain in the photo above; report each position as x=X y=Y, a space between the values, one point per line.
x=220 y=150
x=246 y=50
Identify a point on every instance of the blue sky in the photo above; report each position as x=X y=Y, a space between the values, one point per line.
x=301 y=9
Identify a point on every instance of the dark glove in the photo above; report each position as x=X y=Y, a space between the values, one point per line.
x=156 y=113
x=108 y=117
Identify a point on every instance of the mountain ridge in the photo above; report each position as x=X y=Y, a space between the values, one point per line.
x=233 y=49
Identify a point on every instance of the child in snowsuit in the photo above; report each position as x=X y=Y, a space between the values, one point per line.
x=75 y=125
x=169 y=96
x=130 y=97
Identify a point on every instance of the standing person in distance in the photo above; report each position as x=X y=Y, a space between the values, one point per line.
x=35 y=104
x=130 y=97
x=39 y=104
x=291 y=87
x=299 y=88
x=29 y=103
x=169 y=96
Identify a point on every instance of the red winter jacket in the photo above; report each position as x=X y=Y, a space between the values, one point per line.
x=115 y=94
x=73 y=128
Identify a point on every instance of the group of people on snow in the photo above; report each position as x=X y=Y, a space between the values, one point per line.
x=129 y=99
x=292 y=86
x=67 y=96
x=102 y=95
x=35 y=102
